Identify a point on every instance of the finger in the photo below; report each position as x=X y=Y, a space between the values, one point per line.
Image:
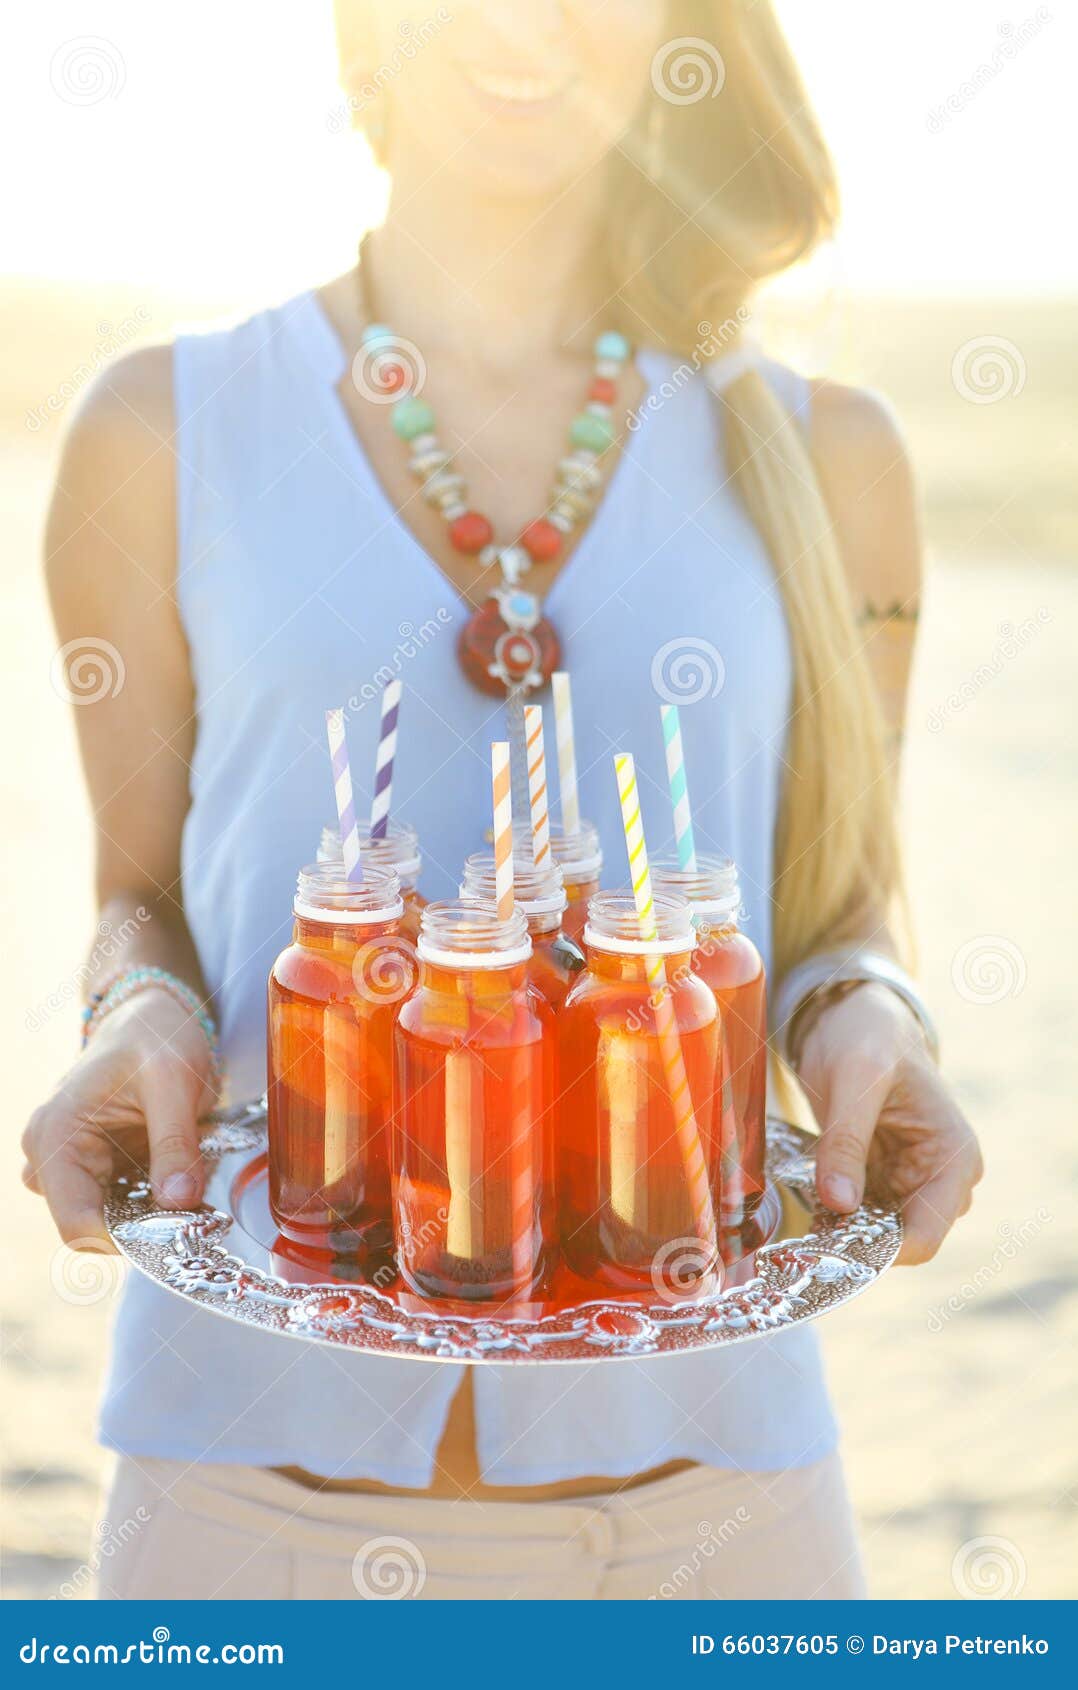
x=930 y=1212
x=849 y=1111
x=75 y=1201
x=171 y=1105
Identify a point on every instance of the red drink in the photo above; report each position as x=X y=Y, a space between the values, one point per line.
x=732 y=966
x=540 y=896
x=473 y=1126
x=580 y=859
x=399 y=851
x=330 y=1064
x=626 y=1200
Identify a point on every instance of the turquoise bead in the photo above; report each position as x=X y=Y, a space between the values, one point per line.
x=412 y=416
x=588 y=430
x=376 y=334
x=612 y=345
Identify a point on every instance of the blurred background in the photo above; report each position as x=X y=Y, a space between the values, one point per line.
x=170 y=166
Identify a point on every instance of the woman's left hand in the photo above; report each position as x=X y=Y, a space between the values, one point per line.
x=881 y=1105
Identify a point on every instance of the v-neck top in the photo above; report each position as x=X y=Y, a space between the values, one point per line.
x=300 y=588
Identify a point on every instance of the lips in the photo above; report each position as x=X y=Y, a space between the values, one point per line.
x=515 y=91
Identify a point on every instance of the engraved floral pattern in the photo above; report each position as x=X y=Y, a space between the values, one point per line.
x=200 y=1255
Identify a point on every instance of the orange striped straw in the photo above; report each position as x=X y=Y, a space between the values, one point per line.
x=524 y=1132
x=537 y=787
x=503 y=828
x=670 y=1051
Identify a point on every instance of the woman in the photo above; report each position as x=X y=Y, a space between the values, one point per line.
x=236 y=515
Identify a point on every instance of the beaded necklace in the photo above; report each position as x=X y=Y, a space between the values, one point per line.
x=507 y=646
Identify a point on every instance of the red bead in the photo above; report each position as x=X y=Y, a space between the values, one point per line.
x=541 y=540
x=390 y=377
x=603 y=390
x=470 y=532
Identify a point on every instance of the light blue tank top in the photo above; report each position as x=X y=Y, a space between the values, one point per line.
x=297 y=586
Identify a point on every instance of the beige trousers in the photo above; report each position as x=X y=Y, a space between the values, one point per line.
x=205 y=1531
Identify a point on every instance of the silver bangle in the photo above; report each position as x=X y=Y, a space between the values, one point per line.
x=837 y=968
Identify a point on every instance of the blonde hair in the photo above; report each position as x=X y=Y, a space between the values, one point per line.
x=712 y=196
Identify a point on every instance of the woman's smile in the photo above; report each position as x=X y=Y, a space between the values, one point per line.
x=517 y=93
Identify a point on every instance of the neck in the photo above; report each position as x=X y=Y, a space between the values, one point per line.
x=505 y=280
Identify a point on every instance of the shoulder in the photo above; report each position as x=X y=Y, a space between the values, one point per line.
x=127 y=411
x=867 y=481
x=116 y=477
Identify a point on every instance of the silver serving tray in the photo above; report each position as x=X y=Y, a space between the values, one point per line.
x=222 y=1257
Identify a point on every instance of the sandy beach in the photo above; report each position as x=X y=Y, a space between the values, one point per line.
x=954 y=1382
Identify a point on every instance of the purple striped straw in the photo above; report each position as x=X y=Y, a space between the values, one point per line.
x=342 y=792
x=383 y=763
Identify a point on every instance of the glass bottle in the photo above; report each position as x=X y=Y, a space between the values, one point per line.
x=475 y=1067
x=626 y=1191
x=732 y=966
x=333 y=995
x=398 y=850
x=540 y=895
x=580 y=858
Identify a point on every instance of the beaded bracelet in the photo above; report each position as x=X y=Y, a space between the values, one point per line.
x=135 y=980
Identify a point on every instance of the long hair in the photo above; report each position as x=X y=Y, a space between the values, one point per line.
x=711 y=196
x=723 y=181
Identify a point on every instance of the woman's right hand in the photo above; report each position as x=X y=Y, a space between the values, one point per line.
x=136 y=1092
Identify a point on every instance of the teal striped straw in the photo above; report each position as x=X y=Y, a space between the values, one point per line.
x=679 y=787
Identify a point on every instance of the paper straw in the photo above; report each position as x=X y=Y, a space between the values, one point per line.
x=537 y=787
x=671 y=1053
x=563 y=728
x=524 y=1130
x=383 y=762
x=679 y=788
x=342 y=792
x=503 y=828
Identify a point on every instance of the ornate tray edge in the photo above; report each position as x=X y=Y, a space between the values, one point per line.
x=798 y=1279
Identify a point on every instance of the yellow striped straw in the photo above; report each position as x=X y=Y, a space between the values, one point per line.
x=503 y=828
x=670 y=1051
x=537 y=786
x=563 y=729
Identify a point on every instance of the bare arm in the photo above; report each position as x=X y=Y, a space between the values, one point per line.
x=110 y=562
x=876 y=1094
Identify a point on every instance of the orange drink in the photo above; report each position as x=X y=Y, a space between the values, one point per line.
x=732 y=966
x=475 y=1066
x=625 y=1200
x=540 y=896
x=329 y=1089
x=399 y=851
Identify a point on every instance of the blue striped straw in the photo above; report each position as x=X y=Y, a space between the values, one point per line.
x=342 y=792
x=679 y=787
